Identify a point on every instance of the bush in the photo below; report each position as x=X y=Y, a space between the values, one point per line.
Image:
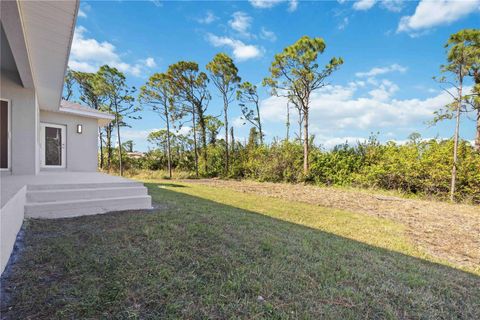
x=417 y=167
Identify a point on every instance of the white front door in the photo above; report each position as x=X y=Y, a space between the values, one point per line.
x=52 y=145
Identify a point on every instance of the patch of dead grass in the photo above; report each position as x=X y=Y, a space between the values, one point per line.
x=447 y=231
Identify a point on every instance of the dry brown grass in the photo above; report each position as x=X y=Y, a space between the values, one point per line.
x=447 y=231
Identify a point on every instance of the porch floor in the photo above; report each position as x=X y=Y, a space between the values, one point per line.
x=11 y=184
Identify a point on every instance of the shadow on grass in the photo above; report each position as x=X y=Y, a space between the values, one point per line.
x=202 y=259
x=170 y=185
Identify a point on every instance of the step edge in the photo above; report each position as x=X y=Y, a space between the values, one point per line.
x=38 y=187
x=32 y=204
x=83 y=189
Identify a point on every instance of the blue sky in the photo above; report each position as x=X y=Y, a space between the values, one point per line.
x=392 y=49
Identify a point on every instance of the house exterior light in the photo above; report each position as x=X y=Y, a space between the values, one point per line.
x=79 y=128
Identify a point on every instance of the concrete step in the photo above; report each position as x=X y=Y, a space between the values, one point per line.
x=96 y=185
x=74 y=208
x=88 y=193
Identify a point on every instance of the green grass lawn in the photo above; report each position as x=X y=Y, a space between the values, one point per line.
x=209 y=253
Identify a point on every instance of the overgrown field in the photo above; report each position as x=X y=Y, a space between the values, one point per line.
x=417 y=168
x=222 y=252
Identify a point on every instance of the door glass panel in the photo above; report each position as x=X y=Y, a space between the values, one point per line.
x=3 y=134
x=53 y=146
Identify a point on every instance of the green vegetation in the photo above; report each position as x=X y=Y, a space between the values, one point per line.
x=444 y=169
x=418 y=167
x=296 y=74
x=463 y=50
x=217 y=254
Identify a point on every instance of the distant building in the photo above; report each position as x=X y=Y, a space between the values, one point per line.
x=136 y=154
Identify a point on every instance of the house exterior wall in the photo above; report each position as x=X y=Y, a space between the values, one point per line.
x=81 y=149
x=24 y=124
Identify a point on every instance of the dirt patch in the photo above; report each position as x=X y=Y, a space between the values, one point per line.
x=447 y=231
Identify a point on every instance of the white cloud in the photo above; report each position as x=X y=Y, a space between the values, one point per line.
x=208 y=18
x=81 y=13
x=329 y=142
x=241 y=51
x=384 y=91
x=268 y=35
x=429 y=14
x=81 y=66
x=150 y=62
x=184 y=130
x=238 y=122
x=346 y=110
x=240 y=22
x=392 y=5
x=265 y=4
x=157 y=3
x=88 y=54
x=90 y=49
x=133 y=134
x=292 y=5
x=142 y=134
x=343 y=24
x=363 y=4
x=382 y=70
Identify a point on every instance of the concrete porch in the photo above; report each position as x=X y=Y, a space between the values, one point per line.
x=51 y=195
x=68 y=194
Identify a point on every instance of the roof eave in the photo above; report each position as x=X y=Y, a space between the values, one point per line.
x=48 y=67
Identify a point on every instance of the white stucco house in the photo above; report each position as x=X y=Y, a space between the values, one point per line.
x=48 y=147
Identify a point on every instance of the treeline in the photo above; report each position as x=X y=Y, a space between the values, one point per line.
x=417 y=167
x=181 y=96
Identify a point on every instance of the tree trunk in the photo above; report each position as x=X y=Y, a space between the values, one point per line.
x=300 y=124
x=225 y=109
x=477 y=138
x=232 y=140
x=259 y=124
x=203 y=129
x=195 y=140
x=476 y=77
x=101 y=147
x=119 y=142
x=169 y=150
x=288 y=122
x=305 y=144
x=109 y=146
x=455 y=140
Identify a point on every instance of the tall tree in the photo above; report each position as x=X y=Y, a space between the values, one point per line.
x=469 y=40
x=454 y=73
x=224 y=75
x=249 y=103
x=159 y=95
x=295 y=73
x=92 y=94
x=120 y=97
x=190 y=87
